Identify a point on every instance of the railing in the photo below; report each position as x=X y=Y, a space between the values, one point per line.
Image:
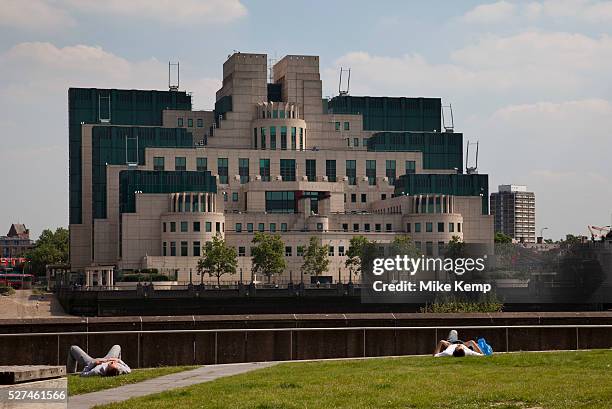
x=362 y=330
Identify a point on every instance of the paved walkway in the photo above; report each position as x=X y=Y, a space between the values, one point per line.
x=162 y=383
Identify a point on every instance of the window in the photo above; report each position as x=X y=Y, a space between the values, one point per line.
x=158 y=163
x=225 y=196
x=287 y=169
x=264 y=169
x=417 y=227
x=173 y=248
x=172 y=227
x=200 y=123
x=311 y=170
x=451 y=227
x=283 y=138
x=261 y=227
x=208 y=227
x=250 y=227
x=440 y=227
x=330 y=251
x=184 y=227
x=341 y=250
x=383 y=196
x=388 y=227
x=243 y=170
x=180 y=163
x=241 y=251
x=459 y=227
x=390 y=171
x=196 y=226
x=429 y=248
x=364 y=198
x=301 y=139
x=184 y=246
x=275 y=113
x=254 y=138
x=351 y=171
x=272 y=227
x=164 y=249
x=364 y=142
x=234 y=196
x=293 y=138
x=344 y=226
x=408 y=226
x=356 y=227
x=417 y=244
x=428 y=227
x=280 y=201
x=300 y=251
x=222 y=170
x=179 y=122
x=337 y=126
x=218 y=227
x=262 y=131
x=238 y=227
x=273 y=137
x=371 y=172
x=353 y=197
x=319 y=226
x=330 y=170
x=281 y=114
x=196 y=249
x=164 y=227
x=201 y=164
x=190 y=123
x=366 y=227
x=378 y=227
x=287 y=251
x=410 y=166
x=356 y=142
x=283 y=226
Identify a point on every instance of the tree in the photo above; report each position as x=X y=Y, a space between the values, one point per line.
x=356 y=253
x=316 y=259
x=217 y=259
x=268 y=255
x=455 y=248
x=403 y=245
x=502 y=238
x=50 y=248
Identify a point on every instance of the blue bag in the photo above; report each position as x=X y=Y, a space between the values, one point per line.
x=484 y=347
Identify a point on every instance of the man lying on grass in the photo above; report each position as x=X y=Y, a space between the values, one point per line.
x=110 y=365
x=452 y=346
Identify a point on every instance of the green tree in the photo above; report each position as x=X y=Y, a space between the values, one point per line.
x=217 y=259
x=268 y=255
x=502 y=238
x=455 y=248
x=403 y=245
x=50 y=248
x=316 y=260
x=356 y=253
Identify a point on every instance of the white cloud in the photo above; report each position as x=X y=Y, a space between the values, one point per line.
x=490 y=13
x=33 y=15
x=591 y=11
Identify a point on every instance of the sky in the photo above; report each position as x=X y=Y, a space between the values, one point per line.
x=530 y=80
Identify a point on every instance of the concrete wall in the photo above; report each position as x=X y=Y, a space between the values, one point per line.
x=149 y=350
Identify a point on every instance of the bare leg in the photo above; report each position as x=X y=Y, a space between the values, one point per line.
x=443 y=344
x=474 y=345
x=76 y=357
x=114 y=352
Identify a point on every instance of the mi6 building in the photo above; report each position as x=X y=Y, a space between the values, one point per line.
x=151 y=180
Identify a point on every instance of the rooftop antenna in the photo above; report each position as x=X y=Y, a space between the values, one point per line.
x=174 y=86
x=344 y=92
x=471 y=170
x=450 y=126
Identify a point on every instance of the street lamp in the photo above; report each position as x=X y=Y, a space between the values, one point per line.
x=542 y=232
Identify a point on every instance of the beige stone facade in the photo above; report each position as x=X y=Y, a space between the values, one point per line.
x=265 y=154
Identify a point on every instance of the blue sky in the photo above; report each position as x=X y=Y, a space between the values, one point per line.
x=529 y=79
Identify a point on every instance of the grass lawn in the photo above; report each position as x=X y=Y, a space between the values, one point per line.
x=78 y=384
x=519 y=381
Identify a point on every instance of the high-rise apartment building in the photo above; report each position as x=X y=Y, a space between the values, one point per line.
x=513 y=209
x=151 y=180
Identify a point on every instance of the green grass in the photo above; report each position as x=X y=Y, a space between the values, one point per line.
x=505 y=381
x=79 y=384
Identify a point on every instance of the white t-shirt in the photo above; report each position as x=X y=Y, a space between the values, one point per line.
x=451 y=348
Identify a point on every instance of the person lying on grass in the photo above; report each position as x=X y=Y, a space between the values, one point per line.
x=453 y=346
x=110 y=365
